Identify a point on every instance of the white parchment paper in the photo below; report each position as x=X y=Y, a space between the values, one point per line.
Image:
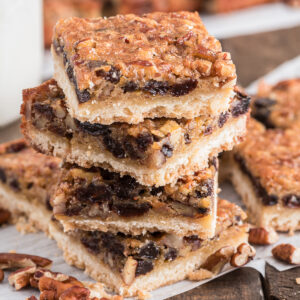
x=38 y=244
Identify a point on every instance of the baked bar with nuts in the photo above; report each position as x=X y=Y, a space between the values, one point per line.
x=266 y=173
x=156 y=151
x=129 y=263
x=277 y=106
x=97 y=199
x=127 y=68
x=27 y=180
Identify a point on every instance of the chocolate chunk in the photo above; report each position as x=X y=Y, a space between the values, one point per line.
x=93 y=129
x=91 y=242
x=241 y=105
x=194 y=241
x=207 y=187
x=149 y=251
x=114 y=147
x=16 y=147
x=45 y=110
x=156 y=87
x=126 y=187
x=130 y=209
x=106 y=175
x=187 y=138
x=110 y=242
x=202 y=210
x=15 y=185
x=3 y=175
x=130 y=86
x=223 y=119
x=132 y=149
x=95 y=193
x=184 y=88
x=167 y=150
x=113 y=75
x=73 y=210
x=29 y=185
x=291 y=201
x=171 y=254
x=82 y=96
x=143 y=267
x=156 y=190
x=262 y=110
x=70 y=73
x=144 y=140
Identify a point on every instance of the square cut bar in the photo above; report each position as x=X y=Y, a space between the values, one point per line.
x=127 y=68
x=97 y=199
x=154 y=152
x=27 y=180
x=128 y=264
x=278 y=106
x=265 y=171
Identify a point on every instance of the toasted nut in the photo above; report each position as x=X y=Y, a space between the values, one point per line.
x=4 y=216
x=287 y=253
x=21 y=278
x=263 y=236
x=34 y=280
x=129 y=270
x=244 y=254
x=1 y=275
x=75 y=292
x=216 y=261
x=200 y=274
x=15 y=260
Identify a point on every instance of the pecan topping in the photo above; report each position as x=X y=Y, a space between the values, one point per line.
x=287 y=253
x=21 y=278
x=243 y=255
x=262 y=236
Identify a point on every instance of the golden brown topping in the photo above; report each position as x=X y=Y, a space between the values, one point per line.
x=273 y=156
x=244 y=254
x=21 y=278
x=166 y=47
x=16 y=260
x=287 y=253
x=262 y=236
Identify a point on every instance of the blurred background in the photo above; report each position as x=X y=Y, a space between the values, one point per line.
x=260 y=34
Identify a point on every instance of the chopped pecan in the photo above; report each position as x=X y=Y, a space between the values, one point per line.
x=262 y=236
x=129 y=270
x=4 y=216
x=75 y=292
x=216 y=261
x=244 y=254
x=21 y=278
x=287 y=253
x=17 y=260
x=1 y=275
x=200 y=274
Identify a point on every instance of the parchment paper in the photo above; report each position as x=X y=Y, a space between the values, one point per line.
x=38 y=244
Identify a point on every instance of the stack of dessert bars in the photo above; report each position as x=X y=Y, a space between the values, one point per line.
x=139 y=109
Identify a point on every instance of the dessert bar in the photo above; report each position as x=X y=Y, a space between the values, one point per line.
x=154 y=152
x=27 y=179
x=130 y=263
x=127 y=68
x=97 y=199
x=278 y=106
x=265 y=172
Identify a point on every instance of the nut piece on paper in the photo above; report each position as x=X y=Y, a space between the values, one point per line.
x=244 y=254
x=287 y=253
x=21 y=278
x=263 y=236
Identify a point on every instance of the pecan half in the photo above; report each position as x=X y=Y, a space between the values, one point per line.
x=287 y=253
x=244 y=254
x=263 y=236
x=75 y=292
x=216 y=261
x=21 y=278
x=1 y=275
x=4 y=216
x=17 y=260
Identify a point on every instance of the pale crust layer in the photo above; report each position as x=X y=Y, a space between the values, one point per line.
x=194 y=159
x=168 y=273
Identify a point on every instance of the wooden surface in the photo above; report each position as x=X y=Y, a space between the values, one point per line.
x=254 y=56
